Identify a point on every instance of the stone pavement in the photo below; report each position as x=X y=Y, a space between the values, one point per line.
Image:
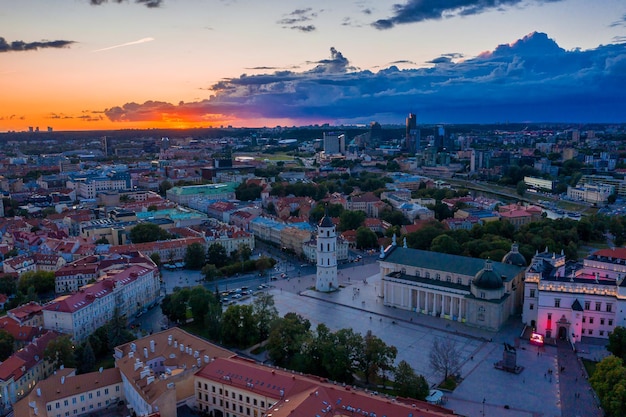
x=534 y=392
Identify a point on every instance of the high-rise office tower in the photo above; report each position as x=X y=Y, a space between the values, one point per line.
x=412 y=137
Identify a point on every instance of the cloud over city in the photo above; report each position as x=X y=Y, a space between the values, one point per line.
x=16 y=46
x=151 y=4
x=531 y=79
x=414 y=11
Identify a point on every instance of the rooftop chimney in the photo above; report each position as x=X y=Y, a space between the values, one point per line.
x=152 y=346
x=145 y=352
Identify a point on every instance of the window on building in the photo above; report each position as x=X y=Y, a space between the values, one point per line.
x=598 y=306
x=220 y=391
x=240 y=397
x=106 y=391
x=49 y=407
x=609 y=307
x=438 y=276
x=532 y=293
x=584 y=319
x=448 y=278
x=590 y=331
x=248 y=411
x=200 y=396
x=482 y=294
x=57 y=405
x=602 y=322
x=248 y=400
x=531 y=307
x=66 y=403
x=587 y=305
x=199 y=384
x=262 y=404
x=601 y=332
x=213 y=388
x=74 y=400
x=557 y=302
x=590 y=320
x=459 y=281
x=233 y=395
x=226 y=393
x=549 y=316
x=427 y=275
x=610 y=322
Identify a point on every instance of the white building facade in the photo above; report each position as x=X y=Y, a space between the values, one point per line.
x=326 y=256
x=572 y=300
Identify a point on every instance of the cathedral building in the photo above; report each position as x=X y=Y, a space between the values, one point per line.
x=477 y=292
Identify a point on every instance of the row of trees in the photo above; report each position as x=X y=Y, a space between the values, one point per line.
x=493 y=239
x=290 y=342
x=30 y=286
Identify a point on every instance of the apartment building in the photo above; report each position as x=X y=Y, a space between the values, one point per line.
x=127 y=290
x=67 y=394
x=237 y=387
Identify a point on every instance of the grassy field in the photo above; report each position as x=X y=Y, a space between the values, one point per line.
x=590 y=366
x=270 y=157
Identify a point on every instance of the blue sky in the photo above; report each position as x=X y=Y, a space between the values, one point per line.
x=80 y=64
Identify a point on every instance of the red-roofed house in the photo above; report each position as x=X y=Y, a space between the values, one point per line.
x=227 y=384
x=22 y=370
x=128 y=290
x=27 y=314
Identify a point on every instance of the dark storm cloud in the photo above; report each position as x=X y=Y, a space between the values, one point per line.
x=31 y=46
x=148 y=3
x=532 y=79
x=420 y=10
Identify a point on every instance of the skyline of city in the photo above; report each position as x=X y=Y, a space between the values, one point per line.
x=89 y=65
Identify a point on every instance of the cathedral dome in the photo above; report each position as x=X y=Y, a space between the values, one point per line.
x=514 y=257
x=486 y=279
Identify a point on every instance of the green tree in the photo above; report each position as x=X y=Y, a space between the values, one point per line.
x=609 y=382
x=408 y=384
x=423 y=237
x=195 y=256
x=286 y=339
x=444 y=356
x=102 y=241
x=375 y=356
x=156 y=258
x=117 y=331
x=617 y=342
x=8 y=284
x=245 y=252
x=209 y=272
x=446 y=244
x=365 y=238
x=164 y=186
x=248 y=192
x=351 y=220
x=213 y=319
x=394 y=217
x=174 y=306
x=86 y=358
x=7 y=345
x=340 y=353
x=239 y=326
x=521 y=188
x=217 y=255
x=148 y=232
x=41 y=281
x=265 y=313
x=199 y=301
x=60 y=351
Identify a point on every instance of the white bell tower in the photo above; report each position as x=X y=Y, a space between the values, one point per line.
x=326 y=255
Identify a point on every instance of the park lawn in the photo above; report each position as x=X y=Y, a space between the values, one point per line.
x=590 y=366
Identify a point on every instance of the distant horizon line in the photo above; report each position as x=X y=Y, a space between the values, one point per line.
x=324 y=126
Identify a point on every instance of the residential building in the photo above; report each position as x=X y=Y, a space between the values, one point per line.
x=172 y=250
x=68 y=394
x=158 y=371
x=232 y=386
x=126 y=291
x=477 y=292
x=22 y=370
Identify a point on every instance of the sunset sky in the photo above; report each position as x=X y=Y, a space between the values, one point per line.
x=98 y=64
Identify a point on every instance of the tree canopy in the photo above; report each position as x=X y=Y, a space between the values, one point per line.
x=148 y=232
x=195 y=256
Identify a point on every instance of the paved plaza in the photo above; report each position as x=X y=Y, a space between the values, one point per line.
x=536 y=391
